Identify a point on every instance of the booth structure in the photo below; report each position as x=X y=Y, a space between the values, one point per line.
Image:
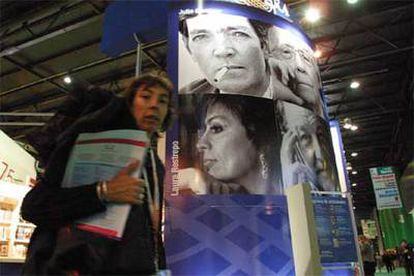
x=254 y=183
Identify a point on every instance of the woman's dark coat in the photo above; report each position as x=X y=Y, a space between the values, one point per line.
x=56 y=246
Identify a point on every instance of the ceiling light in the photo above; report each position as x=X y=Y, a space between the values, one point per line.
x=347 y=126
x=354 y=154
x=352 y=1
x=317 y=53
x=354 y=207
x=354 y=184
x=354 y=172
x=354 y=85
x=354 y=127
x=312 y=15
x=67 y=79
x=348 y=168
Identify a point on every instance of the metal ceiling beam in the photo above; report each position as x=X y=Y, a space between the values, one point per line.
x=33 y=72
x=49 y=97
x=363 y=98
x=16 y=124
x=359 y=59
x=362 y=17
x=353 y=76
x=358 y=112
x=72 y=26
x=28 y=114
x=40 y=18
x=95 y=8
x=372 y=86
x=56 y=55
x=372 y=32
x=83 y=67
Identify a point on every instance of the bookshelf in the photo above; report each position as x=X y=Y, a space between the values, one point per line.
x=15 y=233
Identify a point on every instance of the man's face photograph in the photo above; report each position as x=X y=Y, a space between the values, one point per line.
x=228 y=52
x=297 y=56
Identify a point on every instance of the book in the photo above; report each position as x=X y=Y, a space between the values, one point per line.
x=100 y=156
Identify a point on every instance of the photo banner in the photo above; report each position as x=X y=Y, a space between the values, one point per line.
x=251 y=122
x=385 y=187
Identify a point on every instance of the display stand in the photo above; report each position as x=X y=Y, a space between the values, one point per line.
x=303 y=229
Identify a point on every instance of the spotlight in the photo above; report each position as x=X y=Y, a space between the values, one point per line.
x=348 y=168
x=352 y=1
x=354 y=85
x=354 y=184
x=312 y=15
x=354 y=154
x=67 y=79
x=347 y=126
x=354 y=127
x=354 y=172
x=317 y=53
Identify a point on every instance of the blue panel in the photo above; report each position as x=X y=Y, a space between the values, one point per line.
x=274 y=258
x=244 y=238
x=196 y=264
x=332 y=269
x=148 y=19
x=229 y=239
x=186 y=241
x=215 y=219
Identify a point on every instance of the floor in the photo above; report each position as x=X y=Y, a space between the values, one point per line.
x=399 y=271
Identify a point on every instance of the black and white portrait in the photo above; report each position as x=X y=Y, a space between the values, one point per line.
x=229 y=54
x=233 y=148
x=306 y=153
x=293 y=62
x=229 y=51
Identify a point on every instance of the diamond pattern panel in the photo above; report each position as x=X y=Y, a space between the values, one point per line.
x=267 y=257
x=196 y=264
x=230 y=239
x=244 y=238
x=186 y=241
x=215 y=219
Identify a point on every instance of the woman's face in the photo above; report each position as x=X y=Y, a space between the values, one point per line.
x=227 y=153
x=150 y=107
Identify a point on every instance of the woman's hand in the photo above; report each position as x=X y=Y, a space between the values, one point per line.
x=123 y=188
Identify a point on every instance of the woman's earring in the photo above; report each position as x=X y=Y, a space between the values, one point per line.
x=264 y=165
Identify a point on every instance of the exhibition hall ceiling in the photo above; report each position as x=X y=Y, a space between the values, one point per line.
x=371 y=42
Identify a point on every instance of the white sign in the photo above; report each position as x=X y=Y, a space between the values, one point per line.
x=277 y=7
x=385 y=188
x=16 y=165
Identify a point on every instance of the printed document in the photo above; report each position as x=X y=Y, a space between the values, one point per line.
x=100 y=156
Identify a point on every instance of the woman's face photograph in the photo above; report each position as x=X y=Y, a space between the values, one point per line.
x=227 y=153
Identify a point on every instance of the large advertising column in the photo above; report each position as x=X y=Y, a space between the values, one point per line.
x=251 y=123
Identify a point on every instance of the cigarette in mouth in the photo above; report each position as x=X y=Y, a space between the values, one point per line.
x=221 y=73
